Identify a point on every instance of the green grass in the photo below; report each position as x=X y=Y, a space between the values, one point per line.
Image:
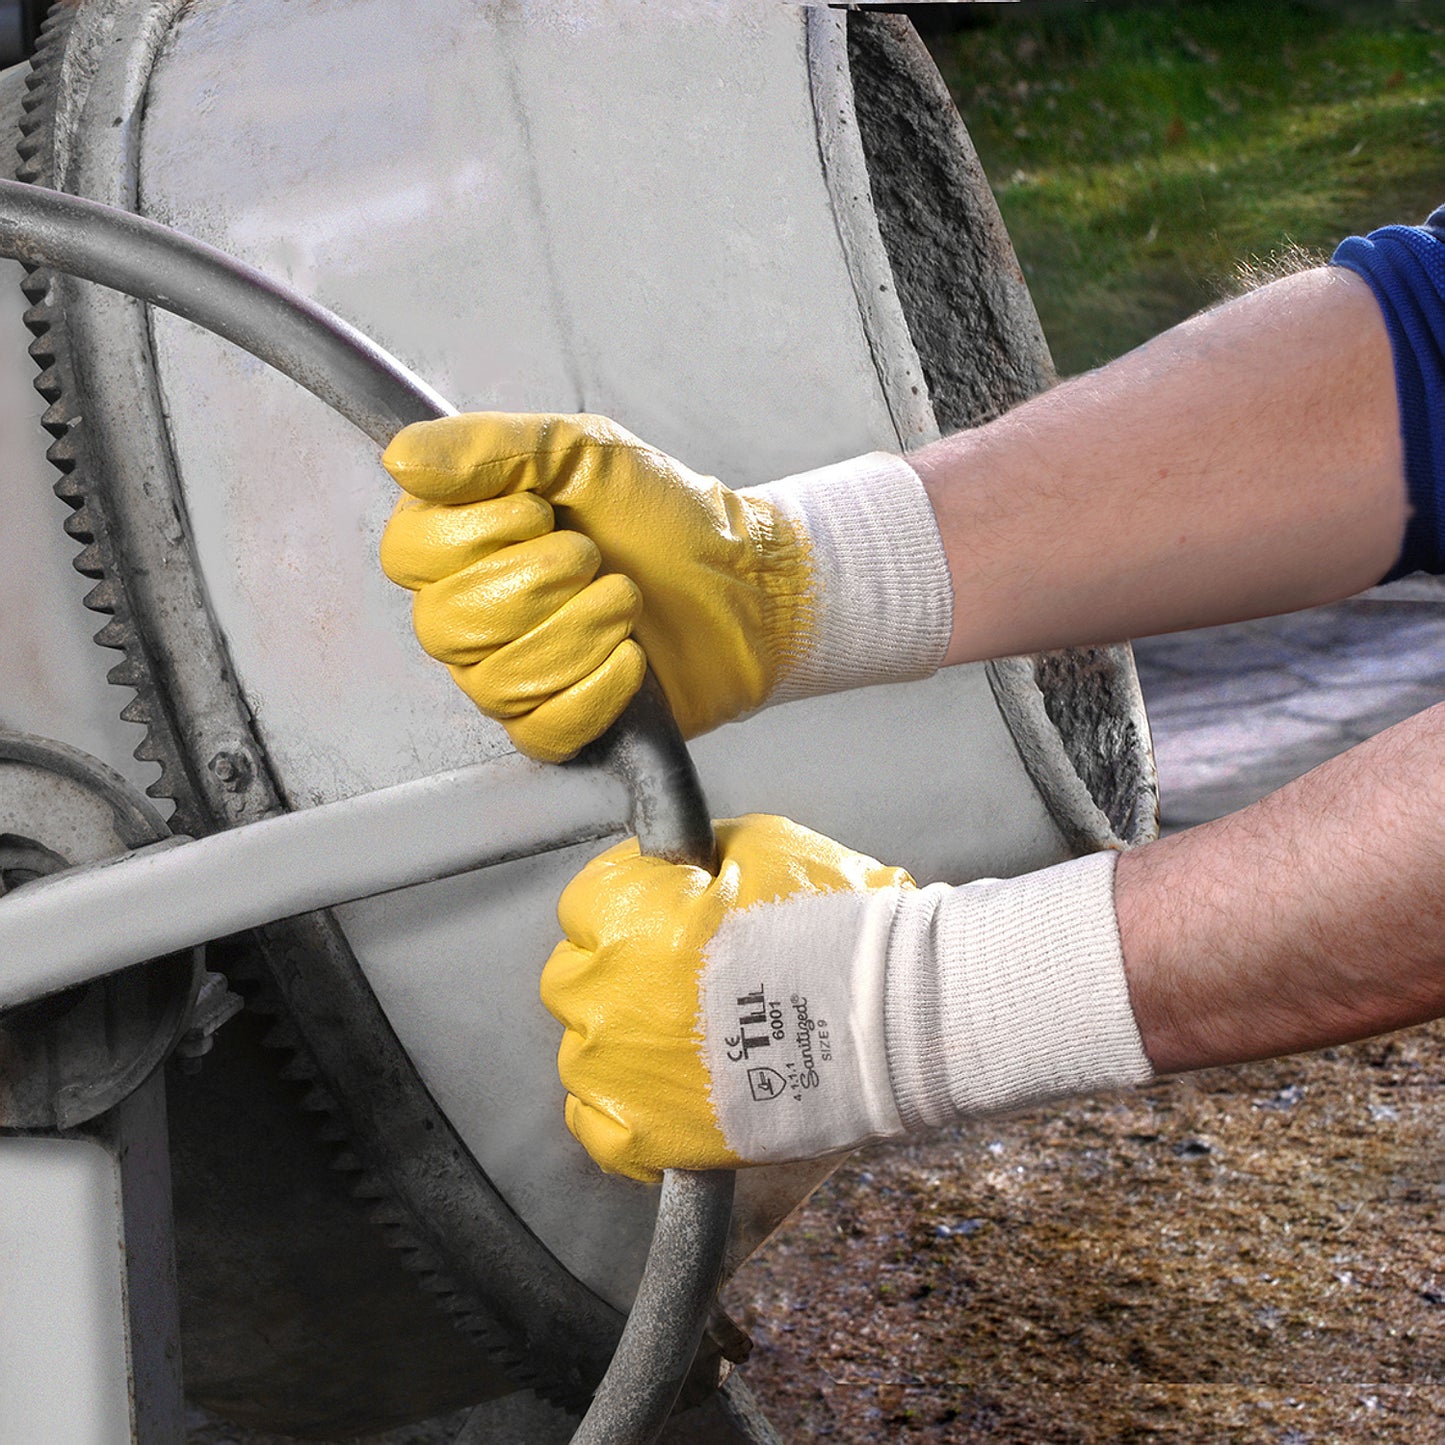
x=1142 y=153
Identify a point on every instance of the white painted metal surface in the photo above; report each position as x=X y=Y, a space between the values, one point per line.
x=63 y=1327
x=565 y=205
x=535 y=209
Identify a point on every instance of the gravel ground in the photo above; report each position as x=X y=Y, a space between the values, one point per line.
x=1251 y=1255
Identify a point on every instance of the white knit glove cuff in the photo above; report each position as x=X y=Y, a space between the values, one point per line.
x=1005 y=993
x=884 y=600
x=791 y=1022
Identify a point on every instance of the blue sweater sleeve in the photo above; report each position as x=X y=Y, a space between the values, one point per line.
x=1405 y=268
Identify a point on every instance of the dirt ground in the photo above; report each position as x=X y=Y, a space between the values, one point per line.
x=1252 y=1256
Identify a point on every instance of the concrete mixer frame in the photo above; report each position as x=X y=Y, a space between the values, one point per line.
x=1062 y=764
x=80 y=924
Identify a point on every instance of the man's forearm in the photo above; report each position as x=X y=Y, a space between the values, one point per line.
x=1247 y=462
x=1313 y=917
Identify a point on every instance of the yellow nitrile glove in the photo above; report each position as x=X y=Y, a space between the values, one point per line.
x=535 y=623
x=713 y=1022
x=554 y=557
x=808 y=999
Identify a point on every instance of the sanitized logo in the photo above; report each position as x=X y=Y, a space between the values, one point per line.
x=766 y=1083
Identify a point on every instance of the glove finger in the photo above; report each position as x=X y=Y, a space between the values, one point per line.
x=567 y=964
x=576 y=639
x=484 y=454
x=609 y=1142
x=572 y=1057
x=577 y=907
x=500 y=598
x=620 y=885
x=560 y=727
x=423 y=542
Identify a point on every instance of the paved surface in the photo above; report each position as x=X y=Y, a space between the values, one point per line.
x=1238 y=711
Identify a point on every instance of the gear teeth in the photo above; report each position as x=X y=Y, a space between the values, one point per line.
x=436 y=1284
x=115 y=635
x=36 y=153
x=296 y=1070
x=283 y=1036
x=394 y=1221
x=419 y=1259
x=148 y=750
x=58 y=418
x=104 y=596
x=49 y=385
x=79 y=526
x=88 y=562
x=318 y=1100
x=62 y=455
x=387 y=1215
x=137 y=710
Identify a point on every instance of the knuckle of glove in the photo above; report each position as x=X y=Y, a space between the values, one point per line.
x=558 y=653
x=566 y=722
x=627 y=1061
x=776 y=857
x=623 y=895
x=494 y=601
x=465 y=458
x=611 y=1142
x=559 y=983
x=424 y=542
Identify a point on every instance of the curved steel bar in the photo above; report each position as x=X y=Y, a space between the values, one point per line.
x=653 y=1356
x=374 y=391
x=645 y=750
x=308 y=343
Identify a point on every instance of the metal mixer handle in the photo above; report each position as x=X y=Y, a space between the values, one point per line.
x=379 y=395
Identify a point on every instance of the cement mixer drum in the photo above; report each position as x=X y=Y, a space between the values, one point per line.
x=754 y=234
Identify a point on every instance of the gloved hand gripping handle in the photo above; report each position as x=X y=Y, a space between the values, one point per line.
x=379 y=395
